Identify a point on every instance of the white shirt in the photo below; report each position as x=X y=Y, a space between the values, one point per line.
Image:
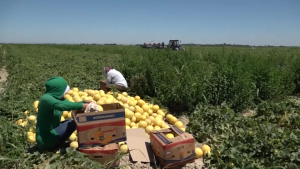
x=115 y=77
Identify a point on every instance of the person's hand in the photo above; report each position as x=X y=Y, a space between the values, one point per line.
x=85 y=105
x=87 y=101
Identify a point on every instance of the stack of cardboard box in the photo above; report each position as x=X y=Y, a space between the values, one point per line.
x=100 y=132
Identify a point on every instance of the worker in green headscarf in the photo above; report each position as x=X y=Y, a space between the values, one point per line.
x=50 y=132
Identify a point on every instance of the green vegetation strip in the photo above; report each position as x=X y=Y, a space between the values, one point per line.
x=212 y=83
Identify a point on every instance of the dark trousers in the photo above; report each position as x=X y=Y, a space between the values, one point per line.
x=64 y=130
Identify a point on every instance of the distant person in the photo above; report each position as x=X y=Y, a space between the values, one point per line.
x=172 y=45
x=50 y=132
x=114 y=77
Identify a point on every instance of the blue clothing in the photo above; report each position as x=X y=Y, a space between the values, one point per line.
x=64 y=130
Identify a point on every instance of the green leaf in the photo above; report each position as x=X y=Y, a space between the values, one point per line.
x=293 y=136
x=292 y=166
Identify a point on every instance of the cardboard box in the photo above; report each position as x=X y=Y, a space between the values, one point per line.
x=173 y=152
x=106 y=155
x=100 y=128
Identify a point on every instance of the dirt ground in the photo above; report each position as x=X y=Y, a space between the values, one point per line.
x=198 y=164
x=3 y=75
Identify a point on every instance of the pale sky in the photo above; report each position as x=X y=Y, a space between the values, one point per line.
x=253 y=22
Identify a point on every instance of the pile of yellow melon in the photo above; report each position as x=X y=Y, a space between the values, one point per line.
x=138 y=113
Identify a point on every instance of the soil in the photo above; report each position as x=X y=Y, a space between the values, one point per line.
x=3 y=75
x=125 y=161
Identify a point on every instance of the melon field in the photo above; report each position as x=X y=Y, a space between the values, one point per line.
x=241 y=102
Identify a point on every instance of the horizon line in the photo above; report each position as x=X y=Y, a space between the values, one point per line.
x=199 y=44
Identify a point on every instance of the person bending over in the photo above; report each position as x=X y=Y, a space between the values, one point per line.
x=114 y=77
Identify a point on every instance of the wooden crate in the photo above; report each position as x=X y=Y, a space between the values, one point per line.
x=107 y=89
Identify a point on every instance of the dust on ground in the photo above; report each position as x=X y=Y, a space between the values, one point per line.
x=125 y=161
x=198 y=164
x=3 y=75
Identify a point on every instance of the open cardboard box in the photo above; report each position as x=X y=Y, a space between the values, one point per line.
x=105 y=155
x=175 y=151
x=101 y=127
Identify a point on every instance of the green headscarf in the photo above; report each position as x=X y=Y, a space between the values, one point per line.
x=57 y=87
